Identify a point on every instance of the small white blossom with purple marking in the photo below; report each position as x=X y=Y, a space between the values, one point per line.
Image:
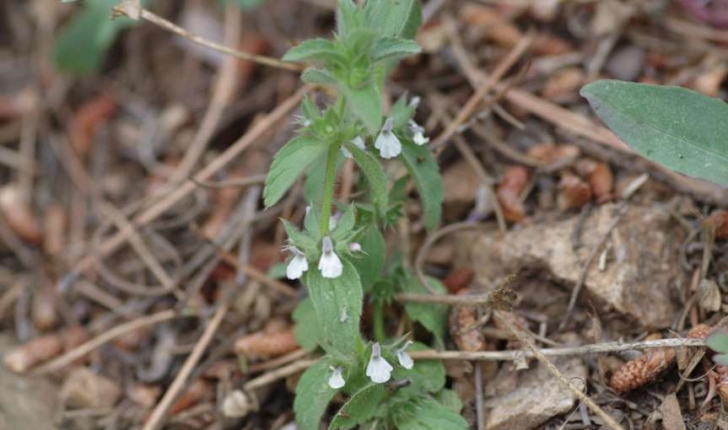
x=297 y=265
x=378 y=370
x=330 y=263
x=354 y=247
x=404 y=359
x=336 y=380
x=358 y=142
x=419 y=134
x=387 y=142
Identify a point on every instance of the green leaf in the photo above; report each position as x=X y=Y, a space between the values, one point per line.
x=316 y=76
x=299 y=239
x=450 y=400
x=717 y=340
x=394 y=18
x=370 y=262
x=82 y=44
x=308 y=107
x=307 y=330
x=288 y=164
x=679 y=128
x=426 y=174
x=246 y=4
x=361 y=407
x=313 y=187
x=276 y=271
x=426 y=414
x=338 y=305
x=346 y=17
x=372 y=168
x=432 y=316
x=366 y=103
x=320 y=50
x=402 y=112
x=313 y=396
x=394 y=47
x=721 y=359
x=426 y=376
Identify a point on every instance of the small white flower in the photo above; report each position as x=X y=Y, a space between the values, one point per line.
x=297 y=265
x=336 y=380
x=378 y=370
x=358 y=142
x=414 y=102
x=387 y=142
x=354 y=247
x=419 y=134
x=404 y=359
x=329 y=264
x=300 y=119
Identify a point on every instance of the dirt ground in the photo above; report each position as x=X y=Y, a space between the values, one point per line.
x=118 y=302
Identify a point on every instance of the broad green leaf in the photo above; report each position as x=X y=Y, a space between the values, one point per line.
x=315 y=76
x=425 y=413
x=370 y=262
x=82 y=44
x=288 y=164
x=426 y=376
x=338 y=305
x=361 y=407
x=299 y=239
x=402 y=112
x=432 y=316
x=366 y=103
x=450 y=400
x=345 y=224
x=717 y=340
x=372 y=168
x=679 y=128
x=307 y=330
x=346 y=17
x=388 y=47
x=394 y=18
x=313 y=396
x=426 y=174
x=319 y=50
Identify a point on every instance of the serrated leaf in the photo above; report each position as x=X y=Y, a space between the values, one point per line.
x=338 y=305
x=316 y=76
x=399 y=18
x=366 y=103
x=426 y=414
x=370 y=262
x=372 y=168
x=394 y=47
x=313 y=396
x=319 y=50
x=679 y=128
x=307 y=330
x=432 y=316
x=288 y=164
x=426 y=174
x=82 y=44
x=717 y=340
x=361 y=407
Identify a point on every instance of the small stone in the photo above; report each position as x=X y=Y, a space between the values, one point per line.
x=84 y=389
x=626 y=63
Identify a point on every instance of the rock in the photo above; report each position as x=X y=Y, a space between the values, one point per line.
x=462 y=184
x=537 y=396
x=25 y=403
x=626 y=63
x=641 y=270
x=84 y=389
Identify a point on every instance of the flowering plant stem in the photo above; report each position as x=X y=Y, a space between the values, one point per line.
x=329 y=182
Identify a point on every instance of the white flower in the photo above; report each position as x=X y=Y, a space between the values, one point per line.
x=387 y=142
x=404 y=359
x=378 y=370
x=300 y=119
x=297 y=265
x=358 y=142
x=330 y=264
x=414 y=102
x=336 y=380
x=354 y=247
x=419 y=134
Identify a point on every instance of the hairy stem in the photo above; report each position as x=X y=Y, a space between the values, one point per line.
x=329 y=182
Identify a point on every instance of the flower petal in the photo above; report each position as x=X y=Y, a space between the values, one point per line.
x=296 y=266
x=336 y=380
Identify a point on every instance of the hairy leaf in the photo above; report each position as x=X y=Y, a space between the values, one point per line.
x=338 y=305
x=432 y=316
x=316 y=76
x=319 y=50
x=372 y=168
x=426 y=174
x=307 y=330
x=313 y=396
x=288 y=164
x=370 y=262
x=425 y=413
x=399 y=18
x=361 y=407
x=679 y=128
x=394 y=47
x=366 y=103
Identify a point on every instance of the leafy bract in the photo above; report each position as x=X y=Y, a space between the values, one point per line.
x=679 y=128
x=426 y=175
x=288 y=164
x=313 y=395
x=338 y=305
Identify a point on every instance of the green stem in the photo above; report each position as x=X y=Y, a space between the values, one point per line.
x=329 y=182
x=379 y=321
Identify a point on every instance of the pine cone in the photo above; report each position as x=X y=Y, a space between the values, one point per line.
x=639 y=372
